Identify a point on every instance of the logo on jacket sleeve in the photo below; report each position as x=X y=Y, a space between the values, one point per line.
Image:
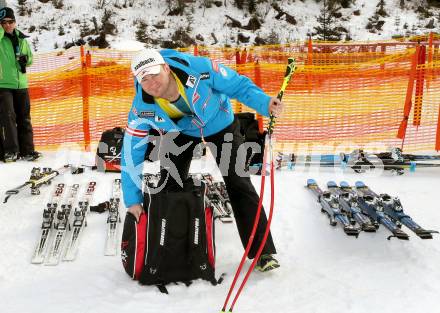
x=223 y=72
x=214 y=65
x=159 y=119
x=191 y=81
x=205 y=75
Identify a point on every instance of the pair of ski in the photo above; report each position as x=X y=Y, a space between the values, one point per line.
x=53 y=241
x=359 y=161
x=362 y=206
x=41 y=176
x=113 y=219
x=217 y=195
x=218 y=198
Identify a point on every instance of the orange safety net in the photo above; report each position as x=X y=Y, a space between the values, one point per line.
x=341 y=97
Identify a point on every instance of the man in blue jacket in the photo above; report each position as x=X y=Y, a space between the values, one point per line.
x=188 y=99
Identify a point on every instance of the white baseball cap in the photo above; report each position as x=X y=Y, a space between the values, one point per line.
x=146 y=62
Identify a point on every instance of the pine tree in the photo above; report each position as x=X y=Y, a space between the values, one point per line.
x=22 y=7
x=381 y=9
x=239 y=4
x=402 y=4
x=84 y=29
x=376 y=21
x=328 y=28
x=58 y=4
x=252 y=6
x=35 y=43
x=141 y=32
x=61 y=30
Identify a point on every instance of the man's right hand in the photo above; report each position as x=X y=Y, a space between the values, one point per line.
x=136 y=210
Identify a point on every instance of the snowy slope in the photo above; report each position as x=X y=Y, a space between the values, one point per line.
x=47 y=20
x=322 y=269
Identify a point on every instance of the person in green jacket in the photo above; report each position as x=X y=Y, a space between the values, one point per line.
x=16 y=134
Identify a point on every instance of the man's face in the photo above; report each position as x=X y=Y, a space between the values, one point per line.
x=156 y=84
x=8 y=25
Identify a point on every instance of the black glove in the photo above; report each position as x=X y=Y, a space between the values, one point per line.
x=22 y=61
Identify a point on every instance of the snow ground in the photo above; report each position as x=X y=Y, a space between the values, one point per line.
x=322 y=269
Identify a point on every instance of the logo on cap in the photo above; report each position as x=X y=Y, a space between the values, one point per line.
x=143 y=62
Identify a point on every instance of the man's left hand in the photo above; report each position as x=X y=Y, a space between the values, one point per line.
x=275 y=107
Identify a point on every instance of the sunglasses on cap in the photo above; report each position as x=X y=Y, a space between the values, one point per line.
x=4 y=22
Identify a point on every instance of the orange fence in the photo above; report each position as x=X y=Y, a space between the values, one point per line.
x=342 y=96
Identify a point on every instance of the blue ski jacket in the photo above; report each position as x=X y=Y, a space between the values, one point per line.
x=208 y=87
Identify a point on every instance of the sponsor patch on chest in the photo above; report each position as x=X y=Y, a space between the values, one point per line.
x=191 y=81
x=145 y=114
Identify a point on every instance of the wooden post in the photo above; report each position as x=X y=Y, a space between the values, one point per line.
x=420 y=81
x=408 y=101
x=430 y=58
x=309 y=64
x=86 y=62
x=196 y=50
x=383 y=50
x=437 y=139
x=430 y=43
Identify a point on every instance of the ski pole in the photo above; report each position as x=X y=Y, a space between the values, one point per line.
x=289 y=71
x=291 y=67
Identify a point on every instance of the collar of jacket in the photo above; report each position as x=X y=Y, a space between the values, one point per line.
x=19 y=34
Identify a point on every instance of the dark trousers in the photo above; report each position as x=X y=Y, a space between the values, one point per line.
x=244 y=198
x=16 y=134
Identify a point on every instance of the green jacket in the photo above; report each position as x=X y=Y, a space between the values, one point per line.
x=10 y=75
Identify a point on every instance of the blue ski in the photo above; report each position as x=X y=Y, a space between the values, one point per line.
x=348 y=203
x=371 y=205
x=393 y=208
x=330 y=206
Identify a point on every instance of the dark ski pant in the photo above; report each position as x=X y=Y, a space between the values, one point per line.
x=16 y=134
x=244 y=198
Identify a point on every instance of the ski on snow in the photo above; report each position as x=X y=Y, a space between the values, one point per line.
x=348 y=203
x=113 y=219
x=330 y=205
x=61 y=226
x=393 y=208
x=46 y=226
x=78 y=223
x=371 y=204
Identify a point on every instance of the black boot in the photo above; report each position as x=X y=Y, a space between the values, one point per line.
x=11 y=157
x=33 y=156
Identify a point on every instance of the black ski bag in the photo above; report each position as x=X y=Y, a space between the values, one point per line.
x=108 y=154
x=173 y=241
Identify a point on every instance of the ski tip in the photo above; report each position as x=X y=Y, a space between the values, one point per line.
x=359 y=184
x=311 y=182
x=331 y=184
x=369 y=228
x=399 y=235
x=426 y=234
x=352 y=231
x=344 y=184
